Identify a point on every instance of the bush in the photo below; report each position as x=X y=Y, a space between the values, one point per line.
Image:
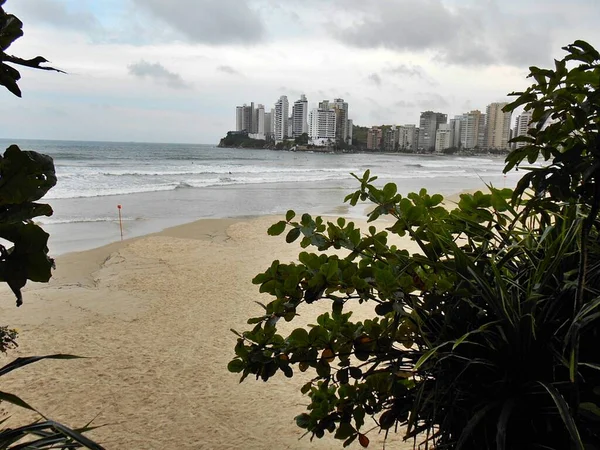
x=486 y=338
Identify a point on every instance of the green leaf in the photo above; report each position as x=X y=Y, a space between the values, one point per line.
x=344 y=431
x=277 y=229
x=298 y=338
x=565 y=414
x=290 y=215
x=25 y=176
x=303 y=420
x=236 y=366
x=292 y=235
x=15 y=400
x=25 y=361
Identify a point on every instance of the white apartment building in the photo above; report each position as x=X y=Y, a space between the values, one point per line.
x=522 y=125
x=300 y=117
x=443 y=137
x=408 y=137
x=472 y=125
x=282 y=107
x=497 y=126
x=322 y=126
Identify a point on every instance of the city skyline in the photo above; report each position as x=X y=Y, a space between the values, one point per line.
x=329 y=123
x=151 y=70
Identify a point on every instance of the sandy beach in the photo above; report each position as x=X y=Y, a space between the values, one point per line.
x=153 y=317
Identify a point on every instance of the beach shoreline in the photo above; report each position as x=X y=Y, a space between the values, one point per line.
x=153 y=316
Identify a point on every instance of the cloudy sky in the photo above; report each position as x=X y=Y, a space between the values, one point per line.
x=174 y=70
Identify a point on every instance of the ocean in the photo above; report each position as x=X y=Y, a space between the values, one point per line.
x=163 y=185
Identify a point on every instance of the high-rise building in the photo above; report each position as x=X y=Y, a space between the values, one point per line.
x=408 y=137
x=428 y=124
x=269 y=125
x=482 y=139
x=299 y=117
x=443 y=137
x=282 y=107
x=259 y=122
x=341 y=119
x=239 y=111
x=522 y=126
x=244 y=118
x=374 y=136
x=322 y=125
x=471 y=125
x=497 y=126
x=350 y=131
x=455 y=127
x=325 y=105
x=390 y=139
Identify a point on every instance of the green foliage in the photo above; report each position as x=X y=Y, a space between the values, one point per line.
x=486 y=338
x=25 y=177
x=302 y=139
x=241 y=140
x=11 y=29
x=45 y=434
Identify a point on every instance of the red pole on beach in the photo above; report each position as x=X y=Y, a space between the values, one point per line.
x=120 y=221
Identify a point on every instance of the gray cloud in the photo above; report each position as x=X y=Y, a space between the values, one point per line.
x=404 y=104
x=209 y=21
x=57 y=14
x=228 y=70
x=468 y=35
x=158 y=73
x=431 y=101
x=375 y=79
x=408 y=70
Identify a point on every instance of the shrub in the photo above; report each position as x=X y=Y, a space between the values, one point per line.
x=486 y=338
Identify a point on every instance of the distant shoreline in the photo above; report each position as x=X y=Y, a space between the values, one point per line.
x=370 y=152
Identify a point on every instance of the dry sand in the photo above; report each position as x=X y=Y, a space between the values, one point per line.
x=153 y=316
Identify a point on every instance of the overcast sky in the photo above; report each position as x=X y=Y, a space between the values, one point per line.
x=174 y=70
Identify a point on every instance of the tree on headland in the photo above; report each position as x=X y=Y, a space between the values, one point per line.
x=25 y=177
x=485 y=339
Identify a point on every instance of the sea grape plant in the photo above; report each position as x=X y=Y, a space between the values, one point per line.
x=484 y=339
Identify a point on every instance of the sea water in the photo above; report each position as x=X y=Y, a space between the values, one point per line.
x=162 y=185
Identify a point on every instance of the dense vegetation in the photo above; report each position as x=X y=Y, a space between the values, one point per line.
x=484 y=339
x=241 y=140
x=25 y=177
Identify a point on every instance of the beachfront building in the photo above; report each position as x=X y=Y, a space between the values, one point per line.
x=455 y=127
x=374 y=137
x=497 y=130
x=443 y=137
x=321 y=126
x=281 y=118
x=350 y=131
x=258 y=123
x=341 y=119
x=408 y=137
x=269 y=124
x=472 y=125
x=244 y=116
x=238 y=118
x=482 y=138
x=429 y=122
x=522 y=125
x=300 y=117
x=390 y=139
